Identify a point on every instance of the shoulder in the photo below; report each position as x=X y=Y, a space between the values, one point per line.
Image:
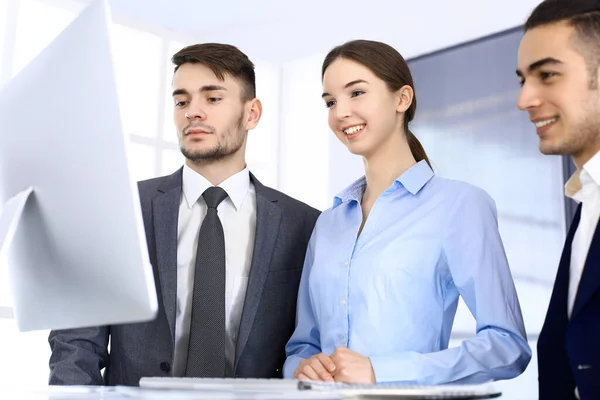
x=149 y=185
x=150 y=188
x=464 y=202
x=287 y=203
x=459 y=191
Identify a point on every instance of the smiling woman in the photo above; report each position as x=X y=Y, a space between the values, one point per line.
x=397 y=250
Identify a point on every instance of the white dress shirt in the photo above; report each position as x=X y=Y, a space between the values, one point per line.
x=583 y=187
x=238 y=217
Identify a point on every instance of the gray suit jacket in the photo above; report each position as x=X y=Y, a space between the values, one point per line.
x=283 y=229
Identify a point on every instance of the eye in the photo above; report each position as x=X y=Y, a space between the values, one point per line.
x=357 y=93
x=546 y=75
x=180 y=103
x=214 y=99
x=329 y=103
x=521 y=82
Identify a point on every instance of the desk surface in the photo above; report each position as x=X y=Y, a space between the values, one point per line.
x=130 y=393
x=136 y=393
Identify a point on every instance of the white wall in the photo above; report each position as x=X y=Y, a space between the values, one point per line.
x=304 y=28
x=303 y=133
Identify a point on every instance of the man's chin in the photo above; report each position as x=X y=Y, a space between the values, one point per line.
x=550 y=149
x=206 y=155
x=200 y=155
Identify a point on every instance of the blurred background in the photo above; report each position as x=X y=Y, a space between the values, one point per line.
x=462 y=54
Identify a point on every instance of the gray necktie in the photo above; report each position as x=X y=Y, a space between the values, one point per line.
x=206 y=353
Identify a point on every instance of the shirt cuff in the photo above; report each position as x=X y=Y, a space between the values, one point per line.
x=290 y=365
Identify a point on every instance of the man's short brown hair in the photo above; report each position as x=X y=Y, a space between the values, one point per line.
x=222 y=59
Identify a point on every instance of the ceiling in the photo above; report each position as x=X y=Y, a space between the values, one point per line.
x=282 y=30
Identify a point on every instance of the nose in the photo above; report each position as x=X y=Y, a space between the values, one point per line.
x=528 y=98
x=195 y=111
x=342 y=110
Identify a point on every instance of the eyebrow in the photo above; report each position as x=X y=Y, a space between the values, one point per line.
x=540 y=63
x=347 y=85
x=205 y=88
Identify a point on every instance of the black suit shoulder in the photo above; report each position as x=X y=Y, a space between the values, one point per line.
x=150 y=185
x=150 y=188
x=293 y=209
x=289 y=202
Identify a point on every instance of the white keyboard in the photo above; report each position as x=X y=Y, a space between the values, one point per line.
x=221 y=384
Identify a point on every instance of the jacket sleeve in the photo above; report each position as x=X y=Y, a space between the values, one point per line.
x=78 y=356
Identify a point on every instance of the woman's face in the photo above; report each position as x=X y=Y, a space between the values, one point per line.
x=363 y=112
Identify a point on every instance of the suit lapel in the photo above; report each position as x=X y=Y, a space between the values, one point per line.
x=557 y=309
x=590 y=279
x=268 y=218
x=165 y=208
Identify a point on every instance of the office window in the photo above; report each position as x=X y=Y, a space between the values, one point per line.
x=471 y=129
x=307 y=168
x=142 y=161
x=169 y=133
x=137 y=58
x=172 y=160
x=262 y=151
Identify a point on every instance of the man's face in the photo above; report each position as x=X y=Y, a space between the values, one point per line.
x=211 y=118
x=556 y=91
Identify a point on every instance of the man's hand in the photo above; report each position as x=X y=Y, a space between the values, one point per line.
x=351 y=367
x=317 y=368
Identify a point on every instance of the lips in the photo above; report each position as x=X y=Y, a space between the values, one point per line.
x=543 y=125
x=350 y=130
x=354 y=131
x=196 y=132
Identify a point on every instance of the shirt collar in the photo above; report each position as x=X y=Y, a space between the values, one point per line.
x=236 y=186
x=589 y=175
x=413 y=180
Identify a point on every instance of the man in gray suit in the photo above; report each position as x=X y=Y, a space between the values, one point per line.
x=227 y=252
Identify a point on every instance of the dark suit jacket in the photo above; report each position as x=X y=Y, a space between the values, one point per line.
x=283 y=229
x=569 y=349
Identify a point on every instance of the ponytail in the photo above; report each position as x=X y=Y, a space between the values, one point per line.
x=416 y=148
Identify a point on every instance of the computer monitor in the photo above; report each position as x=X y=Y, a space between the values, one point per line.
x=71 y=223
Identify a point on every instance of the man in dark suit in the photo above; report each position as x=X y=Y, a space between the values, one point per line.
x=559 y=59
x=227 y=252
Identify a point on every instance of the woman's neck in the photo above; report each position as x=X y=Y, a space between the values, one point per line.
x=384 y=166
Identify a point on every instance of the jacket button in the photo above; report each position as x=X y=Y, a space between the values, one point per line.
x=165 y=367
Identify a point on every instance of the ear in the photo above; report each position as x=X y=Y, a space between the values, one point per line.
x=254 y=112
x=404 y=98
